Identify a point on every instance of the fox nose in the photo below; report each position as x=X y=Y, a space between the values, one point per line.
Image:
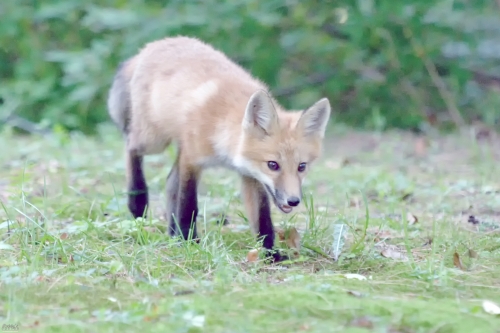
x=293 y=201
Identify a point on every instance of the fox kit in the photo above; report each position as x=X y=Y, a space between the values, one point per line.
x=182 y=90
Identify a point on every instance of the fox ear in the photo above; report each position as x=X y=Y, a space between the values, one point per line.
x=314 y=120
x=260 y=113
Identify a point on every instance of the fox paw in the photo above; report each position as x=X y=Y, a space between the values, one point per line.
x=275 y=257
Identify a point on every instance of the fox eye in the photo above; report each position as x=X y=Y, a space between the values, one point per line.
x=302 y=167
x=273 y=165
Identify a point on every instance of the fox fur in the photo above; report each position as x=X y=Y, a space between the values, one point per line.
x=181 y=90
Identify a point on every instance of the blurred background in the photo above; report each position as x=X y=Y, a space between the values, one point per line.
x=382 y=63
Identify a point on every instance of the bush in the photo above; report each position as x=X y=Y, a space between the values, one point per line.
x=382 y=63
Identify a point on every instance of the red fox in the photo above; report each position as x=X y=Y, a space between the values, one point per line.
x=182 y=90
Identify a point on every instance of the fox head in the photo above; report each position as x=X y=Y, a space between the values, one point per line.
x=278 y=147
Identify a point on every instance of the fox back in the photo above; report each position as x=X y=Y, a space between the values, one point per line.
x=184 y=91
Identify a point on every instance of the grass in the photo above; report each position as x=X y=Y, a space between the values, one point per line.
x=73 y=260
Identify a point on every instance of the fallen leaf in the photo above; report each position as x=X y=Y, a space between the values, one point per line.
x=153 y=315
x=337 y=164
x=291 y=237
x=338 y=239
x=472 y=253
x=183 y=292
x=64 y=236
x=354 y=276
x=482 y=132
x=36 y=323
x=393 y=254
x=253 y=255
x=428 y=242
x=380 y=235
x=281 y=234
x=457 y=262
x=420 y=146
x=412 y=219
x=355 y=202
x=431 y=118
x=150 y=229
x=472 y=219
x=224 y=221
x=361 y=322
x=304 y=327
x=407 y=197
x=491 y=308
x=355 y=293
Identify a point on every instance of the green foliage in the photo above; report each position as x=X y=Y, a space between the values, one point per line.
x=373 y=59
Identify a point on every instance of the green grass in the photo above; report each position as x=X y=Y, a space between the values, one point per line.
x=75 y=261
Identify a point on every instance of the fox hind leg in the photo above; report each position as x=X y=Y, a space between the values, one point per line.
x=136 y=185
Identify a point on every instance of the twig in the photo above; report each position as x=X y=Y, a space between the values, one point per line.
x=316 y=78
x=438 y=82
x=21 y=123
x=334 y=32
x=485 y=79
x=445 y=94
x=24 y=125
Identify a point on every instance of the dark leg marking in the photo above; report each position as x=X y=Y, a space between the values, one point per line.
x=266 y=229
x=188 y=205
x=137 y=187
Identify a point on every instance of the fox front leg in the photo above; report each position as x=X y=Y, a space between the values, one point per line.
x=259 y=215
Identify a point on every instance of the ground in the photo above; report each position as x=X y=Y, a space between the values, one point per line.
x=419 y=251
